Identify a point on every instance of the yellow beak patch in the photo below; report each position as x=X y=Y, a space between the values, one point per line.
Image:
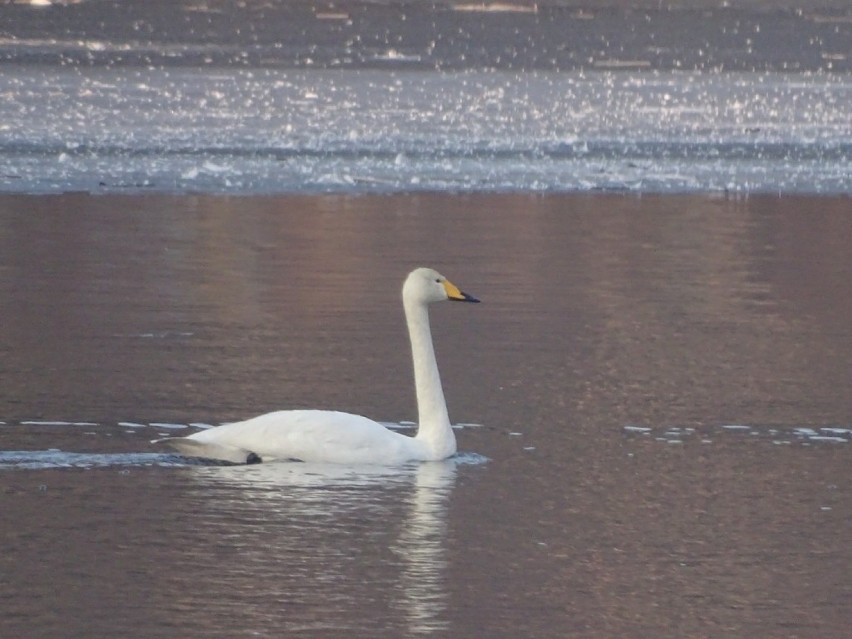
x=453 y=291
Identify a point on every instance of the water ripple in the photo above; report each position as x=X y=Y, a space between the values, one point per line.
x=778 y=435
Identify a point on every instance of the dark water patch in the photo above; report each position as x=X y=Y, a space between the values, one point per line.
x=693 y=35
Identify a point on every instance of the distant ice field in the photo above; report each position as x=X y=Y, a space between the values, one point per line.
x=249 y=131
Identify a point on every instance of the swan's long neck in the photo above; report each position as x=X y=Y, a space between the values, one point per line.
x=434 y=430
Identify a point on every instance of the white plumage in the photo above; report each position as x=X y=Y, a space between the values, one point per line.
x=344 y=438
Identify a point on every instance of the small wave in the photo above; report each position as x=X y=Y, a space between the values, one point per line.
x=470 y=459
x=58 y=459
x=803 y=435
x=55 y=458
x=40 y=422
x=495 y=7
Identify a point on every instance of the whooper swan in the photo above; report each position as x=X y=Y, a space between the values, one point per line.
x=342 y=438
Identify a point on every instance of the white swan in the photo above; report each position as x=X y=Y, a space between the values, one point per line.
x=343 y=438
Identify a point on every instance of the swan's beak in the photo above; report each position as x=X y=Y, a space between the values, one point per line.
x=455 y=295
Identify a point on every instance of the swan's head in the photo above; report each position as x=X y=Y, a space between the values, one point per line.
x=426 y=285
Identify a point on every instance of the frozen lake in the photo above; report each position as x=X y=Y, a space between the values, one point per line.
x=366 y=131
x=259 y=97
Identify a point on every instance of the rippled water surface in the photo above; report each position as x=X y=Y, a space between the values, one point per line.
x=653 y=404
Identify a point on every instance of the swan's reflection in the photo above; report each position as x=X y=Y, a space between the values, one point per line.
x=423 y=595
x=351 y=537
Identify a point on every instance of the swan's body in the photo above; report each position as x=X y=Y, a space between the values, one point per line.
x=344 y=438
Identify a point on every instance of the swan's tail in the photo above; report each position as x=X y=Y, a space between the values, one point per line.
x=205 y=450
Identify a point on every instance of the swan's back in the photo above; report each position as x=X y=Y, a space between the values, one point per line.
x=316 y=436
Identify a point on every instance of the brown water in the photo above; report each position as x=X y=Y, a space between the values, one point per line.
x=681 y=315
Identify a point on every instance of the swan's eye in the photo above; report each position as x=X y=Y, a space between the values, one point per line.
x=438 y=279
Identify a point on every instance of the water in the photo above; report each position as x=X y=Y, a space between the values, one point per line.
x=206 y=213
x=652 y=399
